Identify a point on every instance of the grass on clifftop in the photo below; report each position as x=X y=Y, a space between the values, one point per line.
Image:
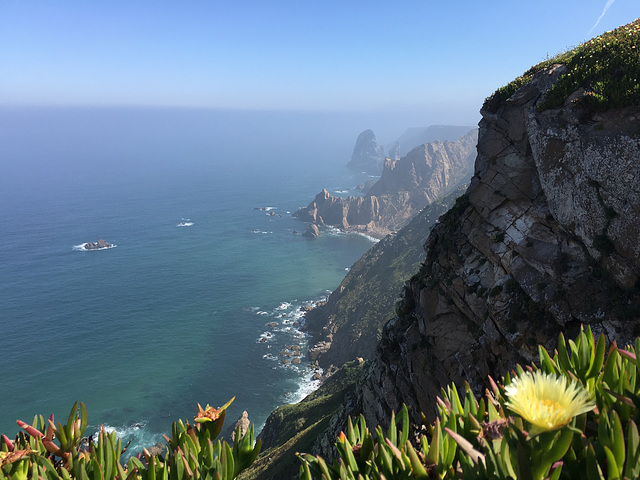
x=606 y=67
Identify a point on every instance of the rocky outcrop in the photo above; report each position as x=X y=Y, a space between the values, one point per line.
x=99 y=245
x=243 y=423
x=367 y=155
x=361 y=214
x=545 y=239
x=427 y=170
x=312 y=231
x=406 y=186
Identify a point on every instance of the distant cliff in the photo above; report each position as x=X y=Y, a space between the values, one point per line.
x=367 y=155
x=406 y=186
x=415 y=136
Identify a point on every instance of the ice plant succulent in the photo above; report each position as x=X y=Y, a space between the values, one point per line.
x=210 y=414
x=547 y=401
x=10 y=457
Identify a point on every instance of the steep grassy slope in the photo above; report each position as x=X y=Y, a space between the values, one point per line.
x=296 y=427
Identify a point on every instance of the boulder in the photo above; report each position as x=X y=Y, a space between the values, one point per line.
x=242 y=422
x=312 y=231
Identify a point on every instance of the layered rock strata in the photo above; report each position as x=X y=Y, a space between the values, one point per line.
x=545 y=239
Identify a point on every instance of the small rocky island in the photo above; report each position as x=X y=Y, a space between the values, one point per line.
x=99 y=245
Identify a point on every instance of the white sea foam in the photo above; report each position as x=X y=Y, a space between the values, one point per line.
x=265 y=337
x=368 y=237
x=122 y=431
x=338 y=232
x=307 y=385
x=139 y=436
x=288 y=318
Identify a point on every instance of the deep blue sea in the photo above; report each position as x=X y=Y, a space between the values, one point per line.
x=172 y=315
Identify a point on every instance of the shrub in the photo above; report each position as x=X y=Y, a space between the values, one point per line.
x=191 y=451
x=607 y=67
x=495 y=290
x=574 y=415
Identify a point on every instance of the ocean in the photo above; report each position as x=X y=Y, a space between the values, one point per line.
x=202 y=292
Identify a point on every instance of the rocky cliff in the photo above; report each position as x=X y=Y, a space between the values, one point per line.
x=349 y=324
x=367 y=155
x=545 y=239
x=415 y=136
x=406 y=186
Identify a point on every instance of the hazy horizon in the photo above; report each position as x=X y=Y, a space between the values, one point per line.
x=403 y=64
x=387 y=126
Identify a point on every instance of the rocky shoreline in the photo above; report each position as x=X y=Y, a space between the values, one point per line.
x=406 y=186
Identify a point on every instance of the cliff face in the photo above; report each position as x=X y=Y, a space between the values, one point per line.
x=546 y=238
x=349 y=325
x=406 y=186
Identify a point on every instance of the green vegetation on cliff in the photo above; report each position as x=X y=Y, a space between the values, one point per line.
x=296 y=427
x=606 y=67
x=574 y=414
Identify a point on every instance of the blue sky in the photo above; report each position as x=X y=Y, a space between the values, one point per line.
x=397 y=56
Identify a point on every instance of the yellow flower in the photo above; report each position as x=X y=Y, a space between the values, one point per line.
x=547 y=401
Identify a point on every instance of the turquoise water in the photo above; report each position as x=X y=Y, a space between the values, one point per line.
x=172 y=315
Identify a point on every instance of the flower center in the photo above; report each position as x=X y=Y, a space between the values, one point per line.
x=551 y=405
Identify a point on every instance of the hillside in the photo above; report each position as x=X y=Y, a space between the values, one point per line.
x=415 y=136
x=350 y=324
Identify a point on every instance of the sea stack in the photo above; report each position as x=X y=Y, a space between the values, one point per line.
x=100 y=244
